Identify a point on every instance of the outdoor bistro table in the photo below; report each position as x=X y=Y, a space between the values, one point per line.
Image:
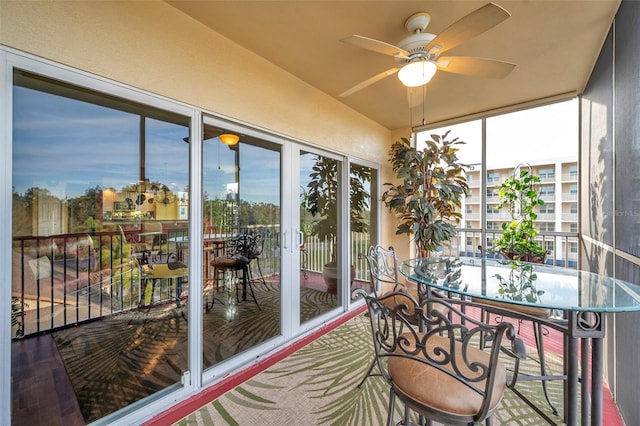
x=584 y=298
x=213 y=243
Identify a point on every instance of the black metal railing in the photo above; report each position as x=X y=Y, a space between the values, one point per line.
x=62 y=280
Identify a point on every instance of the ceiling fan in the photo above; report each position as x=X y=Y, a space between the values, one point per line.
x=420 y=52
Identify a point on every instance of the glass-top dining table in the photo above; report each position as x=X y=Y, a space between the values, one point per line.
x=582 y=298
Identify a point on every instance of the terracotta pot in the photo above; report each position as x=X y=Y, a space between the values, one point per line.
x=330 y=276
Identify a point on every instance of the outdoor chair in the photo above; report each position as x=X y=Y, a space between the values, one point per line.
x=153 y=238
x=175 y=273
x=540 y=319
x=383 y=270
x=255 y=253
x=178 y=241
x=383 y=273
x=437 y=368
x=237 y=259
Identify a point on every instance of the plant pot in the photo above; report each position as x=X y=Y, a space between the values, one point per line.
x=330 y=276
x=525 y=257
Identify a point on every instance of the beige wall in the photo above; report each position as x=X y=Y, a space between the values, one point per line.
x=152 y=46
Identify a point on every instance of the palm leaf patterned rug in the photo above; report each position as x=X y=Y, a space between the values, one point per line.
x=318 y=385
x=118 y=360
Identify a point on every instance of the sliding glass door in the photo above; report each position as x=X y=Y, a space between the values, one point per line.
x=320 y=195
x=241 y=243
x=155 y=248
x=98 y=182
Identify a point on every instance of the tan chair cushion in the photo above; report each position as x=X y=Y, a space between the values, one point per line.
x=229 y=262
x=528 y=310
x=439 y=391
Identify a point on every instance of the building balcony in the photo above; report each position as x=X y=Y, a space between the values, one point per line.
x=546 y=217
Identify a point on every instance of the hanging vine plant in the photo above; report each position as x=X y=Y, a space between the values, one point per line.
x=520 y=195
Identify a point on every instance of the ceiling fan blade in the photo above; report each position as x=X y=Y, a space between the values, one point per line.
x=369 y=81
x=376 y=46
x=473 y=24
x=477 y=67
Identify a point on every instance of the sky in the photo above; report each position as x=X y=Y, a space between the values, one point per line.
x=543 y=133
x=67 y=146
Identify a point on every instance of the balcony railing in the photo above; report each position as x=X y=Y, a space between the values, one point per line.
x=63 y=280
x=546 y=217
x=66 y=279
x=562 y=246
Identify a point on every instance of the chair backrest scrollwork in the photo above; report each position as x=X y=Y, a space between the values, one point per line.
x=438 y=340
x=383 y=267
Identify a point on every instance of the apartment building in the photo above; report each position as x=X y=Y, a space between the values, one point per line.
x=557 y=218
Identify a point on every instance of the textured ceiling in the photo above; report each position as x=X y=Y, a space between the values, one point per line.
x=554 y=45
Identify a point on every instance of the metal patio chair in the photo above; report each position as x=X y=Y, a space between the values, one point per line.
x=437 y=369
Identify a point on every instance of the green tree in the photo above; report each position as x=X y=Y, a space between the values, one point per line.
x=322 y=200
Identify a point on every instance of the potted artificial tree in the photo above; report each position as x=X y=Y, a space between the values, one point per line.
x=427 y=202
x=520 y=194
x=322 y=202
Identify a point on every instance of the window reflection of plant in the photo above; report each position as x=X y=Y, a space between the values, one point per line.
x=519 y=284
x=446 y=272
x=321 y=200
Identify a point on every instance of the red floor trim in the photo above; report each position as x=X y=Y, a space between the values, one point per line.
x=210 y=393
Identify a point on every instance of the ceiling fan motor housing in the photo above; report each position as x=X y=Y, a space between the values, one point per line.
x=418 y=40
x=416 y=43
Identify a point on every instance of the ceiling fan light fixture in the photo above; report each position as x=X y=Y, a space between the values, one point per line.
x=229 y=139
x=417 y=73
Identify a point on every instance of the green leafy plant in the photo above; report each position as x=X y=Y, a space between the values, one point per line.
x=322 y=200
x=519 y=285
x=519 y=193
x=428 y=200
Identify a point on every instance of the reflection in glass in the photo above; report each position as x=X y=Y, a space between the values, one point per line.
x=443 y=271
x=519 y=284
x=96 y=182
x=241 y=209
x=361 y=185
x=320 y=199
